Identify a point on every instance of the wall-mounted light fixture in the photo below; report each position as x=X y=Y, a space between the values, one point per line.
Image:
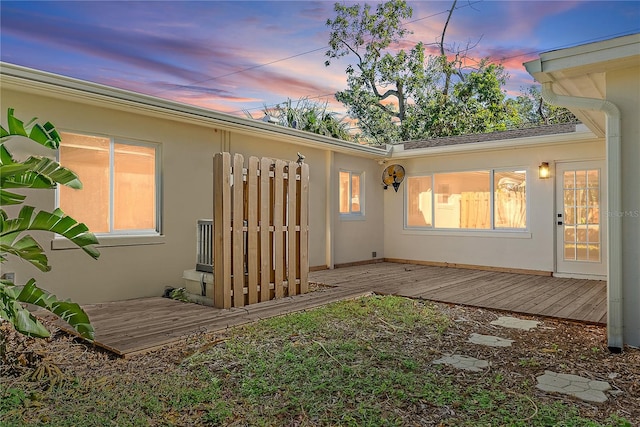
x=543 y=171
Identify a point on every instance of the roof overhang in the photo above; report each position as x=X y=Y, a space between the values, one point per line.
x=582 y=134
x=29 y=80
x=581 y=71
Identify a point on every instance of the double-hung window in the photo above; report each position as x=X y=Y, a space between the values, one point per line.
x=120 y=194
x=473 y=200
x=351 y=193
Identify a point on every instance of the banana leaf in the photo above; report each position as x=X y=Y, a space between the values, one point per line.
x=27 y=323
x=56 y=221
x=14 y=311
x=45 y=135
x=37 y=172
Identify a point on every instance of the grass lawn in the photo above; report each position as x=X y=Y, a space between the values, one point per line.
x=366 y=362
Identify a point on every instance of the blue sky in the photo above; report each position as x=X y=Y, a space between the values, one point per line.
x=242 y=55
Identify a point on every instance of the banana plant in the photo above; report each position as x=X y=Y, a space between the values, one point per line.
x=36 y=173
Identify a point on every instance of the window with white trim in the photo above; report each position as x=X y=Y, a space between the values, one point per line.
x=474 y=200
x=351 y=193
x=120 y=194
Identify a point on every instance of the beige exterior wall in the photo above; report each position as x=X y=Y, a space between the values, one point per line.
x=355 y=238
x=623 y=89
x=533 y=249
x=142 y=267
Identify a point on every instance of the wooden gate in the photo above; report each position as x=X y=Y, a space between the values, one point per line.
x=260 y=230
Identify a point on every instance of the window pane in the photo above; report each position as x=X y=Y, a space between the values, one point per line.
x=419 y=201
x=510 y=192
x=463 y=200
x=344 y=191
x=134 y=201
x=355 y=193
x=88 y=157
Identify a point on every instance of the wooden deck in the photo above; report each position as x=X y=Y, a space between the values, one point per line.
x=140 y=325
x=130 y=327
x=574 y=299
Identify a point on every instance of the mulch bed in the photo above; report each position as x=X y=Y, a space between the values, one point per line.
x=560 y=346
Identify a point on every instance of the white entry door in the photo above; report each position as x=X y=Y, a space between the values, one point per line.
x=581 y=219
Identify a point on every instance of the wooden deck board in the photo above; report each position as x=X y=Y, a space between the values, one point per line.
x=574 y=299
x=134 y=326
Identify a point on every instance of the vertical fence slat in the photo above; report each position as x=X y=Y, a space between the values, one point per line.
x=222 y=230
x=265 y=221
x=304 y=228
x=278 y=234
x=252 y=231
x=260 y=230
x=237 y=235
x=292 y=209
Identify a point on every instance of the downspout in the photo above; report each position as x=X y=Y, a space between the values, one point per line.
x=615 y=334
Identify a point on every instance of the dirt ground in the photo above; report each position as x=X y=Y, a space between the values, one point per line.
x=560 y=346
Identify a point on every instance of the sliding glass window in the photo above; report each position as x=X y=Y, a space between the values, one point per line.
x=473 y=200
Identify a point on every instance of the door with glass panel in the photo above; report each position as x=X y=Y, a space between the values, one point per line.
x=581 y=218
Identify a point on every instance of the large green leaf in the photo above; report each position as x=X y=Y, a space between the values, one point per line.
x=13 y=297
x=68 y=311
x=56 y=221
x=14 y=311
x=37 y=172
x=27 y=249
x=8 y=198
x=45 y=135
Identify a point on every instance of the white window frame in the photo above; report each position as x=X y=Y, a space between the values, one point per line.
x=353 y=215
x=122 y=237
x=493 y=229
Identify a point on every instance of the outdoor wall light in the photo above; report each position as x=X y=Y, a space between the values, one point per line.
x=543 y=171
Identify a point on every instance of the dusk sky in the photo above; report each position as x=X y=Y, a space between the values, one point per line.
x=242 y=55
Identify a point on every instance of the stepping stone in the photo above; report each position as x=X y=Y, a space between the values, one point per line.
x=463 y=362
x=512 y=322
x=490 y=340
x=574 y=385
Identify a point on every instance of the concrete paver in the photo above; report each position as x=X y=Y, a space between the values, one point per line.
x=463 y=362
x=574 y=385
x=515 y=323
x=490 y=340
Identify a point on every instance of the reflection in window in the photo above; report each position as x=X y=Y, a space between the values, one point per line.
x=510 y=199
x=119 y=184
x=351 y=194
x=419 y=201
x=466 y=200
x=581 y=196
x=463 y=200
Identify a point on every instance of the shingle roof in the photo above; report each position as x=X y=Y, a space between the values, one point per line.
x=492 y=136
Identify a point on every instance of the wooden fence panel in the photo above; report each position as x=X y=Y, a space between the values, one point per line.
x=222 y=230
x=237 y=254
x=303 y=251
x=253 y=255
x=292 y=235
x=265 y=235
x=261 y=228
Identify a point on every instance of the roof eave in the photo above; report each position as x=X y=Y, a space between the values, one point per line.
x=581 y=135
x=37 y=81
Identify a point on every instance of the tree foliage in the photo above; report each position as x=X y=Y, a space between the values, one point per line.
x=397 y=94
x=533 y=110
x=36 y=173
x=309 y=116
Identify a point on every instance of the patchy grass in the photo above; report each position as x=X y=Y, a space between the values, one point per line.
x=366 y=362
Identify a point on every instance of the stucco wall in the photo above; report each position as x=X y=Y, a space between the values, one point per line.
x=142 y=270
x=354 y=239
x=623 y=89
x=533 y=249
